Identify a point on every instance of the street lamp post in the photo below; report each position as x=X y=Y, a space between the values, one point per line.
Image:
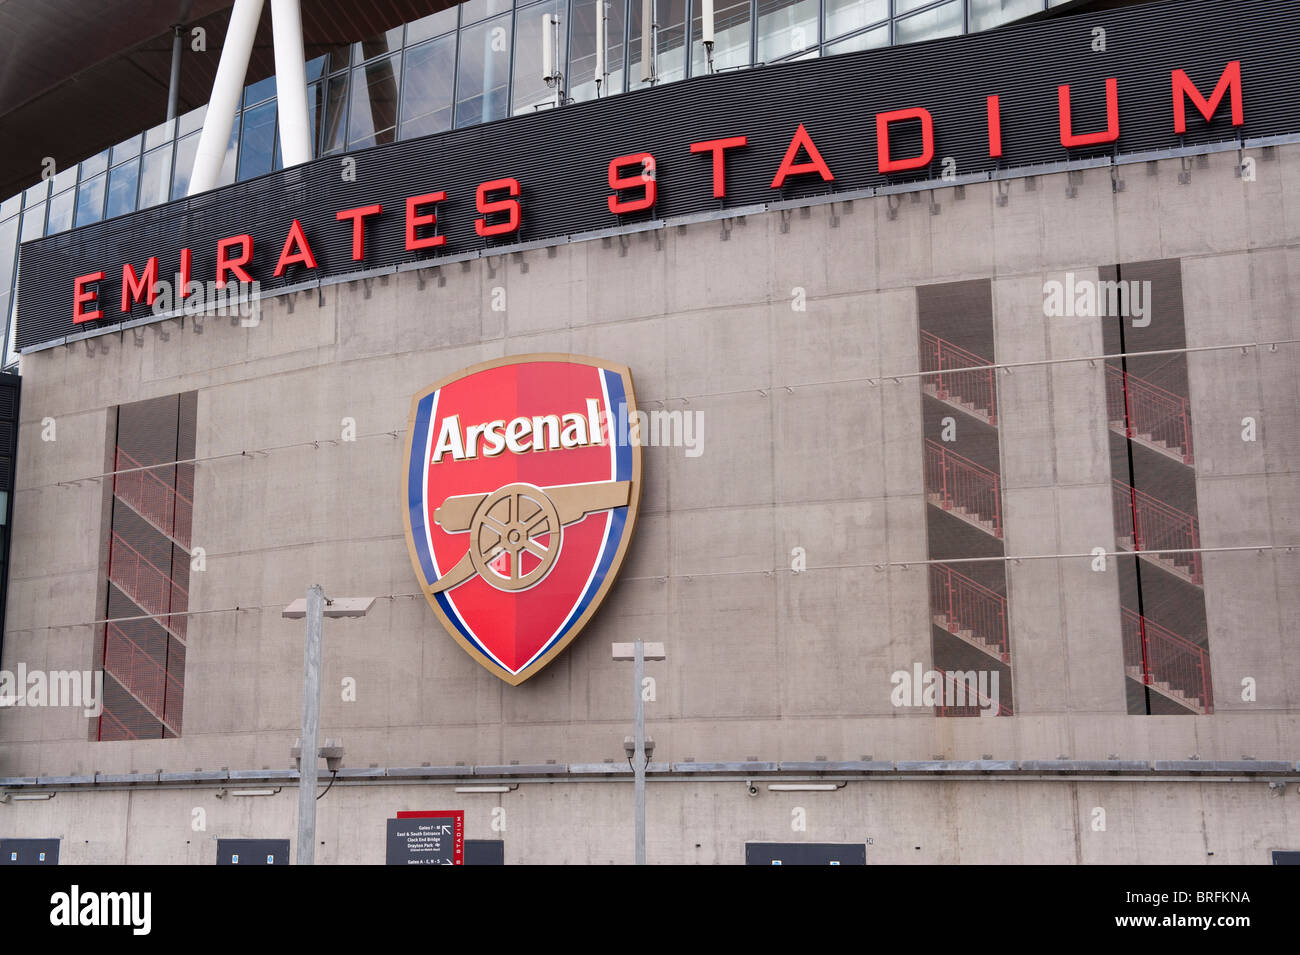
x=638 y=751
x=314 y=608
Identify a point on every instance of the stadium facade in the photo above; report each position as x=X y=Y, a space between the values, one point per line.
x=966 y=503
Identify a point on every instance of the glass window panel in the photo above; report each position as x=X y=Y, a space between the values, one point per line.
x=941 y=21
x=33 y=223
x=65 y=179
x=8 y=253
x=427 y=79
x=845 y=16
x=10 y=206
x=670 y=51
x=162 y=133
x=785 y=27
x=36 y=193
x=581 y=80
x=484 y=73
x=259 y=92
x=867 y=40
x=730 y=37
x=334 y=135
x=185 y=150
x=388 y=42
x=372 y=114
x=986 y=14
x=94 y=166
x=316 y=68
x=154 y=173
x=907 y=6
x=257 y=141
x=8 y=314
x=122 y=183
x=191 y=121
x=230 y=163
x=530 y=90
x=444 y=21
x=90 y=200
x=340 y=57
x=128 y=149
x=475 y=10
x=60 y=215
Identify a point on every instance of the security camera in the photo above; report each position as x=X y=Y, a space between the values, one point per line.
x=753 y=790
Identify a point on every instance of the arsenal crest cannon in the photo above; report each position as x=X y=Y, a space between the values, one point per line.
x=515 y=532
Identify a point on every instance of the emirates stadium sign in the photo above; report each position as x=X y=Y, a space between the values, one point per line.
x=520 y=501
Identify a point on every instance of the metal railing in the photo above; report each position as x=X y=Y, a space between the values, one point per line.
x=154 y=591
x=146 y=679
x=977 y=388
x=970 y=709
x=167 y=508
x=969 y=605
x=1163 y=656
x=1149 y=411
x=120 y=729
x=962 y=483
x=1155 y=525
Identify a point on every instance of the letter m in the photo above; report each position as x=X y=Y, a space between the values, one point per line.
x=117 y=903
x=1184 y=90
x=963 y=688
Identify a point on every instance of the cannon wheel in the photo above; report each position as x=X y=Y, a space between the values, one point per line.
x=510 y=520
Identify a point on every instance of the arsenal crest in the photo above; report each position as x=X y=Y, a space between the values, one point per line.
x=520 y=502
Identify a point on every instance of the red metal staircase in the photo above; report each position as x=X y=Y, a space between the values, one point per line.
x=1169 y=664
x=143 y=677
x=1157 y=526
x=969 y=611
x=1148 y=414
x=959 y=377
x=965 y=489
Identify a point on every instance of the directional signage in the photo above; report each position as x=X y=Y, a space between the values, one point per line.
x=427 y=838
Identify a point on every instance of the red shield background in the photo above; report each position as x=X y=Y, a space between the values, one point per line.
x=515 y=634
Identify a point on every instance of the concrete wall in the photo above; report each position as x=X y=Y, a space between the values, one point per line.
x=808 y=442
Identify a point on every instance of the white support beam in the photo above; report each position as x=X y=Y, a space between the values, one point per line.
x=291 y=82
x=227 y=90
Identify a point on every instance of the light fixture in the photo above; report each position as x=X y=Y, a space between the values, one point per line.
x=251 y=792
x=803 y=787
x=27 y=797
x=485 y=789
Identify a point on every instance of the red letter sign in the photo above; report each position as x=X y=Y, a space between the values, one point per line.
x=645 y=179
x=789 y=167
x=415 y=221
x=1068 y=139
x=302 y=253
x=1183 y=89
x=883 y=121
x=358 y=217
x=133 y=286
x=80 y=296
x=717 y=147
x=509 y=206
x=226 y=264
x=995 y=127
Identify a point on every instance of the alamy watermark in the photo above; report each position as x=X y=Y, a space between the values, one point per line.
x=234 y=299
x=1089 y=298
x=931 y=688
x=83 y=688
x=655 y=429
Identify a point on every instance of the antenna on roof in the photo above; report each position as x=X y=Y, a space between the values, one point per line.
x=706 y=30
x=551 y=73
x=602 y=26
